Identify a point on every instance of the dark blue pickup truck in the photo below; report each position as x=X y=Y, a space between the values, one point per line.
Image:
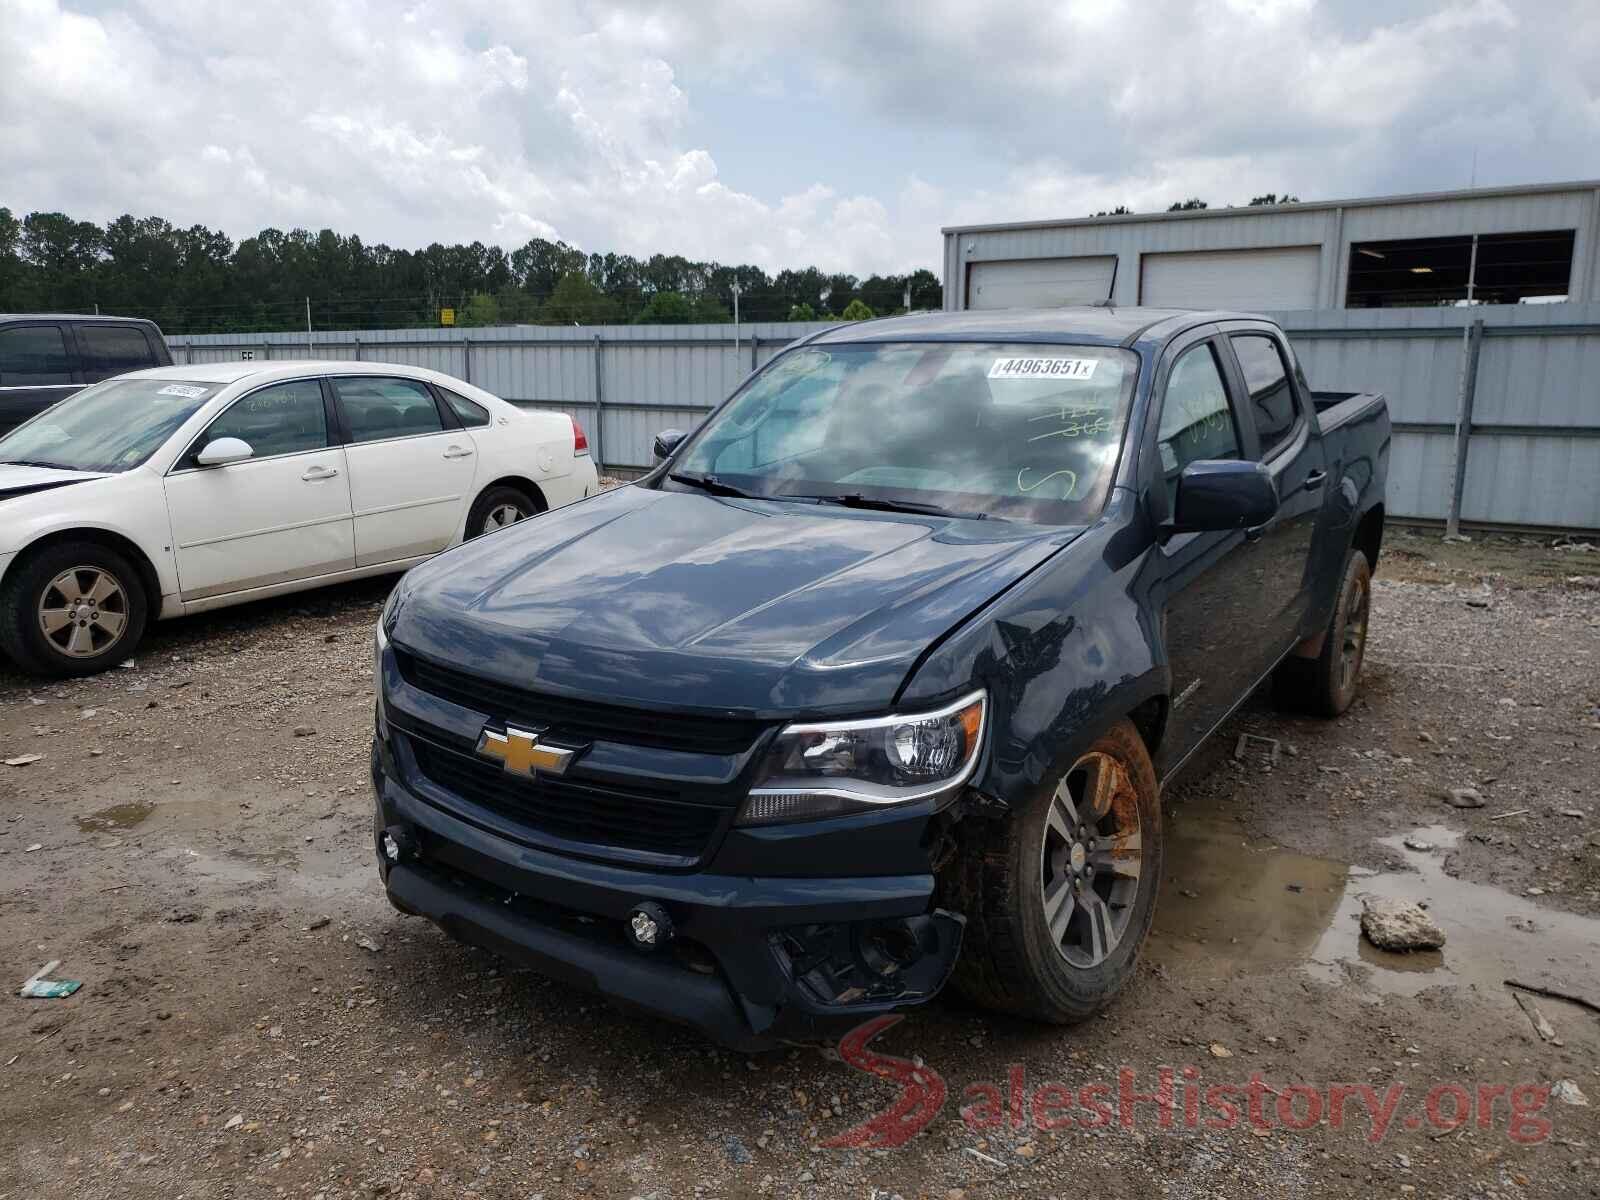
x=874 y=682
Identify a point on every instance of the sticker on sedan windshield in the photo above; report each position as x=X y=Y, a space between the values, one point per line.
x=187 y=390
x=1043 y=368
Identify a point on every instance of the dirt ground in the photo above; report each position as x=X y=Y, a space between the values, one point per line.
x=255 y=1020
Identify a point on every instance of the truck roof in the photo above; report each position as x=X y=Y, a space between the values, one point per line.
x=107 y=317
x=1093 y=325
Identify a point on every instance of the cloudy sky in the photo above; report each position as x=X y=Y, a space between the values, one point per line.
x=842 y=134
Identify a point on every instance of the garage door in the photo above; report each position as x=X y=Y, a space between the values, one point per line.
x=1284 y=277
x=1040 y=282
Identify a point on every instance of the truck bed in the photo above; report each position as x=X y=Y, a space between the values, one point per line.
x=1335 y=409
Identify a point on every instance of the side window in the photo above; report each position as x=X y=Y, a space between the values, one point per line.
x=1267 y=381
x=285 y=418
x=112 y=350
x=468 y=412
x=33 y=354
x=377 y=408
x=1196 y=422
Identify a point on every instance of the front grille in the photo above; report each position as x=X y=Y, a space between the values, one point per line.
x=576 y=812
x=580 y=720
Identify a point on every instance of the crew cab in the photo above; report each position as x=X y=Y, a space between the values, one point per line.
x=44 y=358
x=873 y=683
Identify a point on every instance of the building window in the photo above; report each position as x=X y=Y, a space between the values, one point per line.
x=1512 y=268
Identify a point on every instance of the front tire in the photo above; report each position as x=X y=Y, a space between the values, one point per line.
x=73 y=608
x=1060 y=896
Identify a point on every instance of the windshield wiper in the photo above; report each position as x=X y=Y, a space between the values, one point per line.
x=713 y=486
x=857 y=500
x=32 y=462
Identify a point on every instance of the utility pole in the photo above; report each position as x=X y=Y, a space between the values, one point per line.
x=736 y=323
x=907 y=304
x=1464 y=399
x=308 y=326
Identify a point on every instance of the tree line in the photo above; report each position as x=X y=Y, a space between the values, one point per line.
x=197 y=280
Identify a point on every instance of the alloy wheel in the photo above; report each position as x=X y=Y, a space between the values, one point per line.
x=502 y=515
x=1357 y=609
x=1091 y=859
x=83 y=611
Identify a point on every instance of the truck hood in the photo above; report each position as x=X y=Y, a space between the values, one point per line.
x=19 y=481
x=695 y=602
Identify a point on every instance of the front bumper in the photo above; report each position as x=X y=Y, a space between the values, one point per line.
x=756 y=960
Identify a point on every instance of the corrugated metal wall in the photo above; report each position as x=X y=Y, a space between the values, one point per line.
x=1534 y=457
x=1534 y=454
x=624 y=383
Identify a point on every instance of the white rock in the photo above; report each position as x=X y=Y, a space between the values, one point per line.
x=1396 y=925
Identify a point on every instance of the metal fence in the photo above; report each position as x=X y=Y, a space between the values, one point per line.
x=624 y=383
x=1532 y=431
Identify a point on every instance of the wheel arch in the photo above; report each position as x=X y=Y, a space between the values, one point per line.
x=149 y=577
x=522 y=484
x=1369 y=535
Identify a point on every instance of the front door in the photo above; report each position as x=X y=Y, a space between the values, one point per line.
x=1210 y=582
x=281 y=515
x=410 y=474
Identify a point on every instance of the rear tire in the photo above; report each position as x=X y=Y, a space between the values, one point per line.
x=498 y=507
x=1325 y=686
x=73 y=608
x=1060 y=896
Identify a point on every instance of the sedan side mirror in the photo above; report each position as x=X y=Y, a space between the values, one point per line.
x=1220 y=494
x=224 y=450
x=667 y=442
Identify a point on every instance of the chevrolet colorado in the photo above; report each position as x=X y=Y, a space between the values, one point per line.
x=873 y=682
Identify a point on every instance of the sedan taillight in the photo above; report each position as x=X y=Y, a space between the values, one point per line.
x=580 y=443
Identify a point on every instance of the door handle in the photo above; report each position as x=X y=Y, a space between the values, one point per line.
x=458 y=452
x=316 y=473
x=1314 y=480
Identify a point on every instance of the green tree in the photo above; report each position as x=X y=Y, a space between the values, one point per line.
x=482 y=309
x=1192 y=204
x=1272 y=198
x=667 y=308
x=576 y=301
x=1121 y=210
x=802 y=312
x=857 y=311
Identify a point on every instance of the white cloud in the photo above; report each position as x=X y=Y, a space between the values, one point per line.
x=440 y=121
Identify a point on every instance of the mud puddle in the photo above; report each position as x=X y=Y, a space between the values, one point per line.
x=1232 y=905
x=117 y=816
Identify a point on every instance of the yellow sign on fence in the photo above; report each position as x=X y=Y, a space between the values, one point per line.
x=447 y=316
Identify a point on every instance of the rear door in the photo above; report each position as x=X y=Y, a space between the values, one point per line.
x=1285 y=437
x=108 y=349
x=37 y=369
x=411 y=466
x=281 y=515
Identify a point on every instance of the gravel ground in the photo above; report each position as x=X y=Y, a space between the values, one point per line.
x=193 y=844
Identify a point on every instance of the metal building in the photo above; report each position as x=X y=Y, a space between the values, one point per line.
x=1477 y=313
x=1535 y=243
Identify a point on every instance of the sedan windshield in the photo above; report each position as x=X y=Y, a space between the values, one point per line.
x=112 y=426
x=1023 y=431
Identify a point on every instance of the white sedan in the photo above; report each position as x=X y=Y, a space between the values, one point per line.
x=175 y=490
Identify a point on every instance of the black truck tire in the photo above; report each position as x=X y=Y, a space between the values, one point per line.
x=97 y=626
x=1326 y=685
x=1015 y=958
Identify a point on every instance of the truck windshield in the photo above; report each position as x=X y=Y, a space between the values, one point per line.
x=1022 y=431
x=112 y=426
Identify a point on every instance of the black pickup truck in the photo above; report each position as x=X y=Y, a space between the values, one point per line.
x=873 y=683
x=44 y=358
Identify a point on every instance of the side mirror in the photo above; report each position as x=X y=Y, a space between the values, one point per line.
x=667 y=441
x=222 y=451
x=1221 y=494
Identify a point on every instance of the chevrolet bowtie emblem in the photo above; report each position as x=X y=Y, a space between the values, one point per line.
x=522 y=753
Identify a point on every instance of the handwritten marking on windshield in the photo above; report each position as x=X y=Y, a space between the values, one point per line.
x=1076 y=422
x=1028 y=487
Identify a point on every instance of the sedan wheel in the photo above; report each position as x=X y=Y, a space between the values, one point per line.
x=83 y=611
x=502 y=515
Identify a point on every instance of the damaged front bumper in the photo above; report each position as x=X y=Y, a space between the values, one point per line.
x=747 y=950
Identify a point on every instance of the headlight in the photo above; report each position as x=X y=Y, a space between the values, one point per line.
x=834 y=767
x=380 y=643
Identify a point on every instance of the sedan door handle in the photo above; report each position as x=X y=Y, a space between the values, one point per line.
x=1314 y=480
x=458 y=452
x=316 y=473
